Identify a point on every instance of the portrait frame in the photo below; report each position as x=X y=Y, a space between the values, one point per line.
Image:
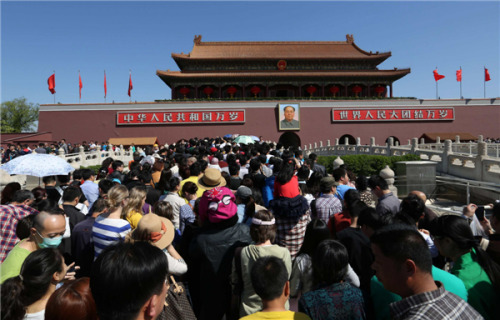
x=283 y=124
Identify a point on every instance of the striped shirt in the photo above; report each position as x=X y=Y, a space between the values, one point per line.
x=107 y=232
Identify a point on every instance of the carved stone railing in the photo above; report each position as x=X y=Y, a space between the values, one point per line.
x=478 y=161
x=94 y=158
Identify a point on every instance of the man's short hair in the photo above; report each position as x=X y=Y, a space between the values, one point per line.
x=116 y=164
x=255 y=165
x=87 y=173
x=293 y=108
x=377 y=181
x=370 y=218
x=49 y=179
x=22 y=195
x=195 y=169
x=313 y=156
x=64 y=178
x=401 y=242
x=411 y=209
x=105 y=185
x=44 y=214
x=339 y=173
x=70 y=193
x=125 y=276
x=234 y=169
x=269 y=276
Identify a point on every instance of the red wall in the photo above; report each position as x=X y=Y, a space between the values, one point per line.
x=316 y=122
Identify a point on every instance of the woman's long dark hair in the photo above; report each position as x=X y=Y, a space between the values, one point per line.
x=316 y=231
x=286 y=172
x=162 y=184
x=458 y=230
x=33 y=282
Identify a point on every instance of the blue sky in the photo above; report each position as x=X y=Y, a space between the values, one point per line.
x=67 y=36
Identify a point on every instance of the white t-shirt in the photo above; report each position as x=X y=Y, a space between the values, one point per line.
x=40 y=315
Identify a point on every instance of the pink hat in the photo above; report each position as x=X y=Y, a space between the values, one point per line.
x=214 y=161
x=217 y=204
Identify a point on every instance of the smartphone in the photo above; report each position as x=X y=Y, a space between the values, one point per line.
x=480 y=213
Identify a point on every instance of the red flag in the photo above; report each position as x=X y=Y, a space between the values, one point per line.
x=130 y=87
x=486 y=75
x=437 y=76
x=52 y=83
x=459 y=75
x=105 y=85
x=80 y=85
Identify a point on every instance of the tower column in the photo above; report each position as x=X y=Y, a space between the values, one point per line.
x=390 y=86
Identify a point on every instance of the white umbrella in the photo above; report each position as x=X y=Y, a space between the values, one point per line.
x=244 y=139
x=38 y=165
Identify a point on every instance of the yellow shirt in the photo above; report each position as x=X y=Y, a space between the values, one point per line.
x=133 y=218
x=282 y=315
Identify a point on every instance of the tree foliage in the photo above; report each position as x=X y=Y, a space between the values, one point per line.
x=18 y=115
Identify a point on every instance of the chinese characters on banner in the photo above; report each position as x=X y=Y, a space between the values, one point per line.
x=180 y=117
x=392 y=114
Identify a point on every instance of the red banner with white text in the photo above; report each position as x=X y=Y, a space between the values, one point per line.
x=392 y=114
x=180 y=117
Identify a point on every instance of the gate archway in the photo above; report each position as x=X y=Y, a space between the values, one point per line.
x=290 y=139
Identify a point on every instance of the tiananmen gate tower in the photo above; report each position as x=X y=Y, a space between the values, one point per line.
x=334 y=88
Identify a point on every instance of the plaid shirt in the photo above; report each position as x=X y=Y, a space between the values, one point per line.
x=326 y=206
x=290 y=232
x=437 y=304
x=9 y=216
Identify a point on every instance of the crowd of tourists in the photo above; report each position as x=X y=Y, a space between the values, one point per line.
x=210 y=229
x=14 y=150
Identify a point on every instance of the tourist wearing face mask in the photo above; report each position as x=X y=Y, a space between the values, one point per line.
x=47 y=231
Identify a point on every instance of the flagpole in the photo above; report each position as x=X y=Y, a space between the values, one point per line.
x=484 y=81
x=461 y=96
x=54 y=90
x=437 y=95
x=130 y=77
x=79 y=96
x=105 y=86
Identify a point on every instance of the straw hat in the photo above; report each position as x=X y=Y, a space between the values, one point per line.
x=211 y=178
x=156 y=230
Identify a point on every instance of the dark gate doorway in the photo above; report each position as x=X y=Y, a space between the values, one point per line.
x=290 y=139
x=350 y=139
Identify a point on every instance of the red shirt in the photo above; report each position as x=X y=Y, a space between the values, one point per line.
x=288 y=190
x=339 y=221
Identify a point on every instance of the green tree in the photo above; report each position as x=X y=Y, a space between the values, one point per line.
x=18 y=115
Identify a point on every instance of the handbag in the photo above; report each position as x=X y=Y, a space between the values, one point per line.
x=177 y=305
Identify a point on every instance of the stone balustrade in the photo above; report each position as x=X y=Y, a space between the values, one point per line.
x=478 y=161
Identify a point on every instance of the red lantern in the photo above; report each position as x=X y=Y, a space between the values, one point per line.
x=334 y=90
x=255 y=91
x=208 y=91
x=231 y=90
x=356 y=90
x=184 y=91
x=311 y=90
x=379 y=90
